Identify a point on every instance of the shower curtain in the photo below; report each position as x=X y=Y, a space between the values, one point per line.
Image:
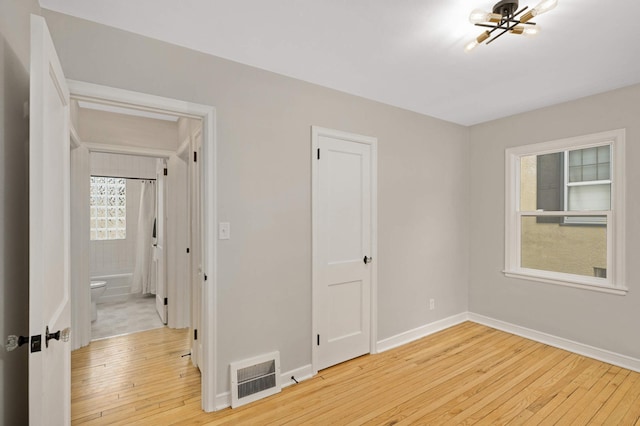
x=144 y=273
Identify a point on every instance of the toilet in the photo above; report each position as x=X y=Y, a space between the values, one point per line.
x=97 y=289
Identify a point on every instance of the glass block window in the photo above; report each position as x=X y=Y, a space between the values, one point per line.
x=108 y=208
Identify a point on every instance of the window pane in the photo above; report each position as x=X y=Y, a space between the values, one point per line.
x=528 y=183
x=575 y=173
x=589 y=156
x=604 y=154
x=590 y=197
x=590 y=164
x=108 y=208
x=542 y=182
x=589 y=172
x=575 y=250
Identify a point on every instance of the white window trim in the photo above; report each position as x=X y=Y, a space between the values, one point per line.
x=615 y=281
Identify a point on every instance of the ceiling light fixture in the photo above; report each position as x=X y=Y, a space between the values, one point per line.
x=503 y=20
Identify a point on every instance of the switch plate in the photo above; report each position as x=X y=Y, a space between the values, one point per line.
x=224 y=231
x=432 y=304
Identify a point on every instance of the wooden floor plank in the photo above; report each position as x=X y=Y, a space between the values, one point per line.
x=467 y=374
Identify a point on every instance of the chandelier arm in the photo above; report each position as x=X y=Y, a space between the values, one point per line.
x=520 y=11
x=503 y=32
x=495 y=27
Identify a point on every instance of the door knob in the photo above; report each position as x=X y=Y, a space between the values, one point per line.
x=58 y=335
x=14 y=342
x=367 y=259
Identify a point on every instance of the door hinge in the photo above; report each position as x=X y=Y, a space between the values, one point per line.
x=36 y=343
x=318 y=340
x=187 y=249
x=195 y=334
x=318 y=153
x=195 y=156
x=166 y=171
x=205 y=277
x=166 y=301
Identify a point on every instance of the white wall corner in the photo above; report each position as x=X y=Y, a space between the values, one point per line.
x=420 y=332
x=559 y=342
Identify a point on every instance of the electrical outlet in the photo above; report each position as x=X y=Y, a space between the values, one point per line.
x=432 y=304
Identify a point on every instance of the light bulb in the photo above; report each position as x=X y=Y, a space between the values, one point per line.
x=544 y=6
x=526 y=30
x=478 y=16
x=473 y=43
x=470 y=46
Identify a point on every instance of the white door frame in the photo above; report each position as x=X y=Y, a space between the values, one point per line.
x=97 y=93
x=316 y=133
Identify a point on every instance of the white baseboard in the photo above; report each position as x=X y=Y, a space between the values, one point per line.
x=301 y=374
x=420 y=332
x=223 y=400
x=559 y=342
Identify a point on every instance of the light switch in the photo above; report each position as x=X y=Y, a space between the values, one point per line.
x=224 y=231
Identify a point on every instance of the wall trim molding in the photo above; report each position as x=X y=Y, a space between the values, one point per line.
x=603 y=355
x=301 y=374
x=306 y=372
x=420 y=332
x=600 y=354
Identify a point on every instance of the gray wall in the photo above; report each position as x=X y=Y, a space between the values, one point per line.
x=597 y=319
x=264 y=188
x=14 y=205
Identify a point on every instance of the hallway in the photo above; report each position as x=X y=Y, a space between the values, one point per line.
x=128 y=378
x=138 y=313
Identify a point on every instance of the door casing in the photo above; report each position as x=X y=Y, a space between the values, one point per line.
x=316 y=133
x=208 y=333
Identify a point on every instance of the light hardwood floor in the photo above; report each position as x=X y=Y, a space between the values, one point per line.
x=467 y=374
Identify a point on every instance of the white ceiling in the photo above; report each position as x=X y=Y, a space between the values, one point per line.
x=405 y=53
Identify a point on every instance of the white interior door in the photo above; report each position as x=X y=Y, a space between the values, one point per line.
x=342 y=247
x=49 y=204
x=177 y=237
x=197 y=278
x=159 y=251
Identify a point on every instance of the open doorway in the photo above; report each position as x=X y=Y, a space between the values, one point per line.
x=182 y=251
x=129 y=269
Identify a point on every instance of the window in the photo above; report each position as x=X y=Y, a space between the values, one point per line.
x=565 y=212
x=573 y=180
x=108 y=208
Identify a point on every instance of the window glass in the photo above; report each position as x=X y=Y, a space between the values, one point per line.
x=565 y=212
x=565 y=249
x=108 y=199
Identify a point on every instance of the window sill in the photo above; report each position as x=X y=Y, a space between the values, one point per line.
x=532 y=276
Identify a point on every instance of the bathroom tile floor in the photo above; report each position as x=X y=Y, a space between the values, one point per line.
x=138 y=313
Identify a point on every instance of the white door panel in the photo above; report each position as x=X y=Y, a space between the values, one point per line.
x=342 y=239
x=159 y=251
x=49 y=233
x=345 y=310
x=197 y=277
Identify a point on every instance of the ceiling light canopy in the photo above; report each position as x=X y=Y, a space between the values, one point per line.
x=504 y=19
